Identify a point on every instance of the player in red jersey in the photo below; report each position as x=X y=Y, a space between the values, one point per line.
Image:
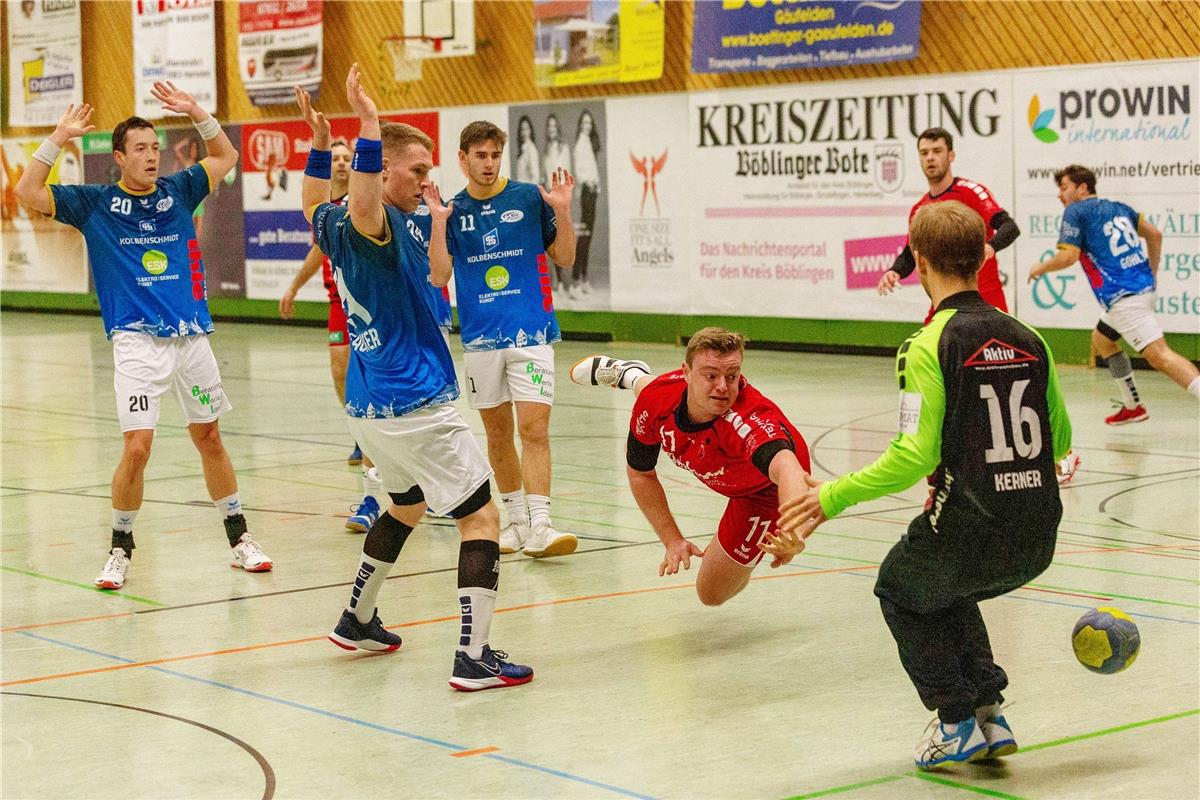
x=935 y=147
x=713 y=423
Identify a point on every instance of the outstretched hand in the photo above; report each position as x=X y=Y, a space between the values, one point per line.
x=357 y=96
x=315 y=119
x=433 y=199
x=75 y=122
x=562 y=185
x=174 y=99
x=802 y=515
x=678 y=552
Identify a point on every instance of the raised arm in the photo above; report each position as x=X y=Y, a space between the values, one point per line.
x=441 y=267
x=31 y=189
x=366 y=178
x=314 y=190
x=562 y=184
x=222 y=156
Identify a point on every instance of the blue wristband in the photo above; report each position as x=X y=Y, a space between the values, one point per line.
x=320 y=164
x=368 y=156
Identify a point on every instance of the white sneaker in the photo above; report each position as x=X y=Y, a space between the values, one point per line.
x=249 y=556
x=939 y=746
x=1068 y=466
x=546 y=542
x=604 y=371
x=512 y=537
x=113 y=574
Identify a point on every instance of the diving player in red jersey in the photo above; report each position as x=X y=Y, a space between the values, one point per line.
x=713 y=423
x=935 y=147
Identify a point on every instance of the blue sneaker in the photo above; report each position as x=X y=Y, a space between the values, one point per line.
x=350 y=634
x=355 y=457
x=364 y=516
x=492 y=671
x=998 y=734
x=940 y=746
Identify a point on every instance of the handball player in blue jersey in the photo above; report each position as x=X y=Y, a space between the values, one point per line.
x=400 y=383
x=494 y=237
x=149 y=276
x=1103 y=235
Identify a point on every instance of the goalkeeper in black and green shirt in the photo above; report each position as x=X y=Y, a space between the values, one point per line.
x=980 y=403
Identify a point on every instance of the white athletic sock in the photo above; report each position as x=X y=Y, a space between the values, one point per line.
x=229 y=506
x=123 y=520
x=478 y=605
x=1194 y=388
x=539 y=511
x=514 y=506
x=630 y=376
x=371 y=575
x=371 y=481
x=1122 y=371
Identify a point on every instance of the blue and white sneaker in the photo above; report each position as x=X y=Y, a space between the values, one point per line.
x=996 y=731
x=364 y=516
x=355 y=457
x=350 y=634
x=492 y=671
x=940 y=746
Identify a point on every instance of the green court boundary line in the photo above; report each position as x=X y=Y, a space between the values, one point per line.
x=1192 y=581
x=992 y=792
x=90 y=588
x=1114 y=595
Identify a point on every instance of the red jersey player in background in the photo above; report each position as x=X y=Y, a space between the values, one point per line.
x=935 y=148
x=713 y=423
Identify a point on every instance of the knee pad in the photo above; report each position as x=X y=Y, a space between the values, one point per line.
x=478 y=499
x=409 y=497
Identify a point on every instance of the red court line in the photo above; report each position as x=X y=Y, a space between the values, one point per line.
x=64 y=622
x=1068 y=594
x=478 y=751
x=432 y=620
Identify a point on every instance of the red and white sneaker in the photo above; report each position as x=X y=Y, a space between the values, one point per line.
x=113 y=574
x=249 y=556
x=1067 y=468
x=1124 y=415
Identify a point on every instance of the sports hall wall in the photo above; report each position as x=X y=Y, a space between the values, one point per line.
x=962 y=45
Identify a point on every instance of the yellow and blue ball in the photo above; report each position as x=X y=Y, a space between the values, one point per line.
x=1106 y=640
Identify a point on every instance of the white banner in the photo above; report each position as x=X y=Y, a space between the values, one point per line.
x=45 y=65
x=649 y=173
x=279 y=47
x=1133 y=125
x=800 y=194
x=173 y=40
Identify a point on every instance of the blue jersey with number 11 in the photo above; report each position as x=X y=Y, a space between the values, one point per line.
x=1106 y=232
x=501 y=276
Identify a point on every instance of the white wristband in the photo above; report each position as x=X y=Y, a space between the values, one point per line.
x=47 y=153
x=208 y=128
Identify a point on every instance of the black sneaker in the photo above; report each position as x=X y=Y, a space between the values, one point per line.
x=492 y=671
x=350 y=634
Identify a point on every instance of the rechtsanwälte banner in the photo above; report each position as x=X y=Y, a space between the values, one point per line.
x=44 y=62
x=279 y=47
x=173 y=41
x=1134 y=126
x=749 y=35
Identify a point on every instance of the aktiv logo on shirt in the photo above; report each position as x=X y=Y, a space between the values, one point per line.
x=155 y=262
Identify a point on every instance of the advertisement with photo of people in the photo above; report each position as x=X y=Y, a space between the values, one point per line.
x=570 y=135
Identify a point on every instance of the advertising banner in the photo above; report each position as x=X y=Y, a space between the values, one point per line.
x=173 y=40
x=597 y=41
x=649 y=176
x=277 y=237
x=279 y=47
x=40 y=255
x=45 y=65
x=751 y=35
x=1134 y=126
x=802 y=193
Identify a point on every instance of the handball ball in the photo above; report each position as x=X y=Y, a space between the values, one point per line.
x=1106 y=640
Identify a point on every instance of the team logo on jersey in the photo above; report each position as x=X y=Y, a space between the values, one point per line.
x=145 y=201
x=512 y=215
x=996 y=352
x=491 y=240
x=496 y=278
x=487 y=210
x=422 y=211
x=889 y=166
x=154 y=261
x=147 y=225
x=164 y=204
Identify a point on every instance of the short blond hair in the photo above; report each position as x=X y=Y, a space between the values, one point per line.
x=719 y=340
x=398 y=135
x=951 y=236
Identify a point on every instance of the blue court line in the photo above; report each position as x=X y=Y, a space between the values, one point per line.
x=1060 y=602
x=343 y=718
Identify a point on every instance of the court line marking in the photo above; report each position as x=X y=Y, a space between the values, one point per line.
x=926 y=776
x=1040 y=746
x=416 y=737
x=478 y=751
x=454 y=617
x=88 y=587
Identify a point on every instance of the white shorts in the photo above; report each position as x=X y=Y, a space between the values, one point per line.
x=495 y=377
x=432 y=448
x=1133 y=318
x=147 y=366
